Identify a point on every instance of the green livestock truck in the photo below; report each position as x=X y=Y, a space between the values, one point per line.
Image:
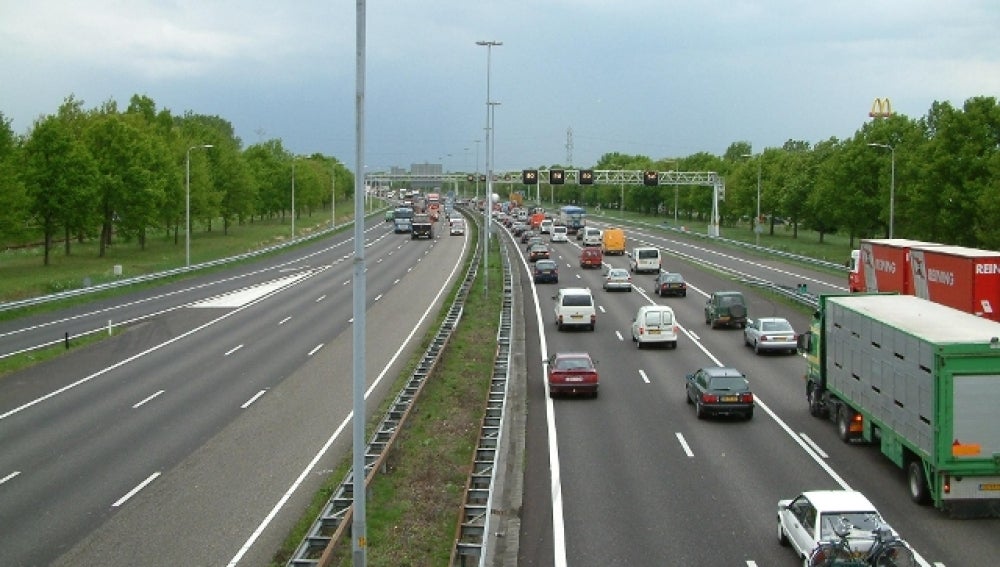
x=920 y=379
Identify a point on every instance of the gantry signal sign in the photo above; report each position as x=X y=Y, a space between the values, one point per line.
x=529 y=176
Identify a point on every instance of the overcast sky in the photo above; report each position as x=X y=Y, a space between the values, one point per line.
x=660 y=78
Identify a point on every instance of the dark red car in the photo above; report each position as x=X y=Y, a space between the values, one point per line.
x=572 y=373
x=591 y=258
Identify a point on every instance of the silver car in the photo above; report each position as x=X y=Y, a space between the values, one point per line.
x=773 y=334
x=617 y=279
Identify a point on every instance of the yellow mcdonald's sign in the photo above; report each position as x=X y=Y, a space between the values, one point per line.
x=881 y=108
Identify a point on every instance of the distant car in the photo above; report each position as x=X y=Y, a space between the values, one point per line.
x=545 y=227
x=770 y=334
x=572 y=373
x=591 y=257
x=546 y=271
x=526 y=235
x=456 y=227
x=617 y=279
x=559 y=234
x=533 y=241
x=715 y=391
x=670 y=283
x=726 y=308
x=538 y=251
x=654 y=324
x=518 y=228
x=390 y=215
x=811 y=518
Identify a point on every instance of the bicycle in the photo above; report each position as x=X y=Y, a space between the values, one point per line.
x=886 y=550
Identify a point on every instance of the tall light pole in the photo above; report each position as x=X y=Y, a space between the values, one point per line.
x=477 y=168
x=187 y=203
x=293 y=198
x=488 y=211
x=892 y=184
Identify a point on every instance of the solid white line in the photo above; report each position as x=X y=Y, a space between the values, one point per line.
x=283 y=321
x=232 y=350
x=815 y=447
x=135 y=490
x=10 y=476
x=645 y=378
x=315 y=350
x=336 y=434
x=684 y=444
x=247 y=403
x=139 y=404
x=320 y=298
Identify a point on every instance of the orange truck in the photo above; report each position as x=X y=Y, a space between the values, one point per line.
x=536 y=220
x=434 y=206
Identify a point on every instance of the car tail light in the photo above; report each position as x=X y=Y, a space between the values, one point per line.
x=709 y=398
x=642 y=330
x=763 y=338
x=746 y=398
x=676 y=329
x=593 y=319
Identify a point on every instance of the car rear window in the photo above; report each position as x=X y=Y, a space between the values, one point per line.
x=575 y=363
x=577 y=300
x=776 y=326
x=646 y=254
x=658 y=318
x=731 y=300
x=727 y=383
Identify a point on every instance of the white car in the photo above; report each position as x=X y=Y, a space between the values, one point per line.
x=575 y=308
x=770 y=334
x=812 y=517
x=655 y=324
x=559 y=234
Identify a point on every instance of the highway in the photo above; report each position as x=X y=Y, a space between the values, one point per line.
x=198 y=436
x=634 y=478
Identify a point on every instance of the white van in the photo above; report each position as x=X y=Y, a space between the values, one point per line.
x=654 y=324
x=592 y=237
x=575 y=308
x=645 y=259
x=456 y=226
x=559 y=233
x=545 y=227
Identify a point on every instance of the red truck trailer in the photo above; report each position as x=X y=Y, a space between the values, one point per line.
x=883 y=264
x=964 y=278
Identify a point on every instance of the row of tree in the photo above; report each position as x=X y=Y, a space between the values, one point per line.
x=103 y=173
x=945 y=186
x=107 y=174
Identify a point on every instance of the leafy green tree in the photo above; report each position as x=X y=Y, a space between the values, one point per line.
x=14 y=202
x=58 y=175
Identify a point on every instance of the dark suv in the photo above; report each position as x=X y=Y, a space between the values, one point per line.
x=726 y=308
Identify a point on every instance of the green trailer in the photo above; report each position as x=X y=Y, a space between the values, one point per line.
x=920 y=379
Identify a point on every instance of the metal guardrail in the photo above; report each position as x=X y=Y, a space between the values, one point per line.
x=12 y=305
x=334 y=519
x=738 y=243
x=474 y=528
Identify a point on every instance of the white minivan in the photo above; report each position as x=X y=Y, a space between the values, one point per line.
x=644 y=259
x=592 y=236
x=654 y=324
x=575 y=308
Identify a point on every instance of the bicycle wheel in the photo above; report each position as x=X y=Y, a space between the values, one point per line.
x=830 y=555
x=895 y=554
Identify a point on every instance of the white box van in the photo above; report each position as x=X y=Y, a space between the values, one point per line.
x=645 y=259
x=592 y=237
x=559 y=234
x=575 y=308
x=654 y=324
x=545 y=227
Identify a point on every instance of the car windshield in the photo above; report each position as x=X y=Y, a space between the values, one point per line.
x=573 y=363
x=727 y=383
x=776 y=326
x=860 y=522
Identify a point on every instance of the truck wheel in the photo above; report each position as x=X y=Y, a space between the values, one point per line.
x=917 y=482
x=815 y=402
x=844 y=417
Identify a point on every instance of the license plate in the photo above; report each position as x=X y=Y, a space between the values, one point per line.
x=576 y=316
x=730 y=398
x=654 y=331
x=574 y=379
x=990 y=486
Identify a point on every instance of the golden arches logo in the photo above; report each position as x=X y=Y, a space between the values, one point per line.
x=881 y=108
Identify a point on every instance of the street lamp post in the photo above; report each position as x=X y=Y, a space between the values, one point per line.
x=892 y=184
x=293 y=198
x=489 y=171
x=187 y=203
